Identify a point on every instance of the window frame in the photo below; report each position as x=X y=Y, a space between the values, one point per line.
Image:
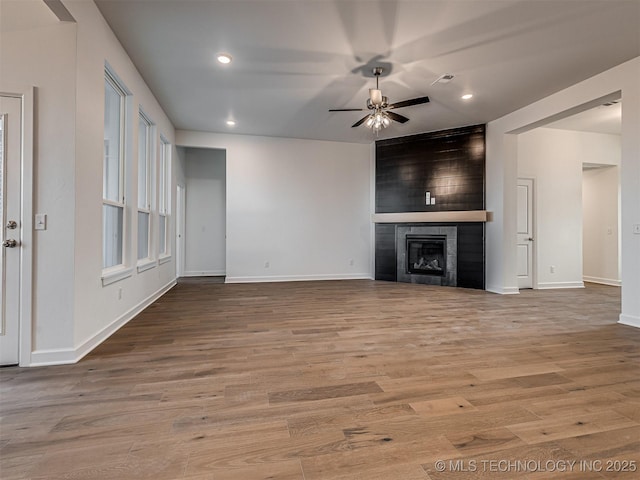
x=148 y=262
x=121 y=270
x=164 y=197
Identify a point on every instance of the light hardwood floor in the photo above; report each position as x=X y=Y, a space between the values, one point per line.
x=349 y=380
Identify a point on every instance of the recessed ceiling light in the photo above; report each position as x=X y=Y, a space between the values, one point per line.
x=224 y=58
x=231 y=123
x=467 y=96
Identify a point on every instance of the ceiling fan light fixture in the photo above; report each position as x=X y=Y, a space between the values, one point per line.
x=378 y=104
x=378 y=120
x=224 y=58
x=467 y=96
x=230 y=123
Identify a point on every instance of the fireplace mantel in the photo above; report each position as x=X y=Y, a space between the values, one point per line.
x=431 y=217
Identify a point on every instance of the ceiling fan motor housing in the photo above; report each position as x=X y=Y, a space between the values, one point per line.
x=383 y=104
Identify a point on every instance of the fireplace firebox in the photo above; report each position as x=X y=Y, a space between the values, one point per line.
x=427 y=255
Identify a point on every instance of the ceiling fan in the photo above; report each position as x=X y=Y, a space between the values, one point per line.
x=380 y=116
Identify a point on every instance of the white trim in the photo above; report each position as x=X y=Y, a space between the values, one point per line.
x=503 y=290
x=299 y=278
x=145 y=264
x=629 y=320
x=58 y=356
x=164 y=259
x=552 y=285
x=110 y=276
x=73 y=355
x=206 y=273
x=26 y=261
x=26 y=95
x=602 y=281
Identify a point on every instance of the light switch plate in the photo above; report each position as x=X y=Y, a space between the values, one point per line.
x=427 y=198
x=41 y=221
x=433 y=200
x=636 y=229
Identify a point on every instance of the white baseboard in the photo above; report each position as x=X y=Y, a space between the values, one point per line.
x=503 y=290
x=300 y=278
x=204 y=273
x=59 y=356
x=629 y=320
x=603 y=281
x=72 y=355
x=552 y=285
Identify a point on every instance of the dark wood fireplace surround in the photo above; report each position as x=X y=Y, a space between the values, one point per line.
x=449 y=164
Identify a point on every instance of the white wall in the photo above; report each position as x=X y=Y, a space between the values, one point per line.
x=99 y=310
x=600 y=198
x=554 y=158
x=72 y=311
x=38 y=50
x=205 y=246
x=502 y=153
x=303 y=206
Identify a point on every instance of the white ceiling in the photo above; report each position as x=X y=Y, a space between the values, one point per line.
x=293 y=60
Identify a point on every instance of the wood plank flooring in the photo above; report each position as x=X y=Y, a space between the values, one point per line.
x=348 y=380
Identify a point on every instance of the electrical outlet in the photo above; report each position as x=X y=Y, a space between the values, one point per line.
x=636 y=229
x=351 y=262
x=267 y=264
x=120 y=293
x=552 y=269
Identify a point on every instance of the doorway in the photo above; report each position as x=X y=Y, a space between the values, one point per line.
x=556 y=155
x=205 y=213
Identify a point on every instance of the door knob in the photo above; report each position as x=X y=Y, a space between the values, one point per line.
x=530 y=239
x=10 y=243
x=12 y=225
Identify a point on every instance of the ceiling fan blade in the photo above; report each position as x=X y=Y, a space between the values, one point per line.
x=397 y=117
x=408 y=103
x=360 y=122
x=347 y=110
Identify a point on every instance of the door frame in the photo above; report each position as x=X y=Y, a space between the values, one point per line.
x=534 y=229
x=180 y=228
x=26 y=96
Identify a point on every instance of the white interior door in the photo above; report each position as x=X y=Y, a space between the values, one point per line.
x=10 y=231
x=525 y=233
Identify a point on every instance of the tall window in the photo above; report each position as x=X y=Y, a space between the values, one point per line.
x=145 y=161
x=164 y=196
x=113 y=201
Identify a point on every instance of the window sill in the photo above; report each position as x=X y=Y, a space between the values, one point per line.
x=145 y=264
x=113 y=275
x=164 y=259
